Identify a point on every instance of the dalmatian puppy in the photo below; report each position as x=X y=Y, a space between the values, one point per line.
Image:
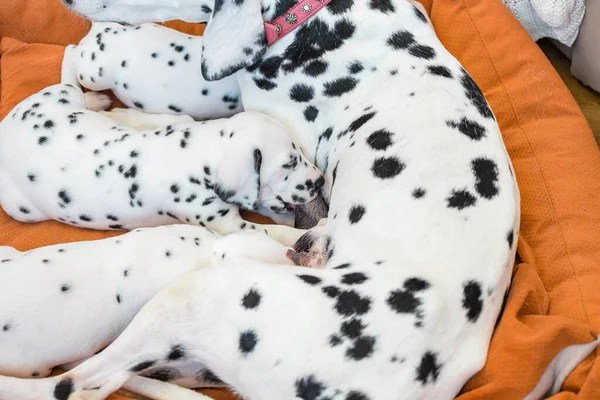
x=60 y=161
x=66 y=302
x=420 y=240
x=151 y=68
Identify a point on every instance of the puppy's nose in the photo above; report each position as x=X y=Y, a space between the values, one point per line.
x=319 y=182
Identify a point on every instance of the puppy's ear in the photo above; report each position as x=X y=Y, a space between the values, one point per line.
x=234 y=38
x=235 y=185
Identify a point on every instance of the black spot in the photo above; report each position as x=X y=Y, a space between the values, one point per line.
x=126 y=273
x=355 y=67
x=428 y=368
x=302 y=93
x=380 y=140
x=474 y=94
x=270 y=67
x=247 y=342
x=139 y=105
x=353 y=328
x=310 y=279
x=422 y=51
x=401 y=40
x=486 y=177
x=154 y=55
x=42 y=140
x=204 y=92
x=63 y=389
x=356 y=213
x=64 y=196
x=316 y=68
x=174 y=188
x=311 y=113
x=331 y=291
x=308 y=388
x=419 y=14
x=119 y=298
x=343 y=266
x=439 y=70
x=251 y=299
x=206 y=9
x=142 y=366
x=362 y=348
x=461 y=199
x=24 y=210
x=340 y=6
x=338 y=87
x=360 y=121
x=418 y=193
x=387 y=167
x=472 y=301
x=335 y=340
x=171 y=63
x=175 y=108
x=210 y=377
x=510 y=238
x=6 y=327
x=124 y=63
x=163 y=374
x=385 y=6
x=65 y=288
x=350 y=302
x=356 y=395
x=176 y=353
x=265 y=84
x=354 y=278
x=469 y=128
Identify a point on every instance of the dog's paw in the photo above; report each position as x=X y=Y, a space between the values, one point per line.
x=97 y=101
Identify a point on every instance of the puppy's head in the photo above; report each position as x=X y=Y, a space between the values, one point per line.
x=287 y=177
x=281 y=176
x=234 y=37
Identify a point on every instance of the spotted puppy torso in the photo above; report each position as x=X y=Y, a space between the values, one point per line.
x=61 y=161
x=422 y=225
x=151 y=68
x=65 y=302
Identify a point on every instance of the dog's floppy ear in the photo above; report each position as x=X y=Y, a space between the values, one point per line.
x=234 y=38
x=234 y=185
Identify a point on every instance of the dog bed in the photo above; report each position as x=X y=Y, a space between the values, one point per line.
x=554 y=300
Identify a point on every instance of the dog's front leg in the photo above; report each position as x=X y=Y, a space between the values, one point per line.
x=144 y=121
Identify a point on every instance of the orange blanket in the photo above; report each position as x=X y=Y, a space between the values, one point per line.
x=554 y=300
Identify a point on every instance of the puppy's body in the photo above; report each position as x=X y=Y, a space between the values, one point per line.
x=423 y=218
x=66 y=302
x=61 y=161
x=151 y=68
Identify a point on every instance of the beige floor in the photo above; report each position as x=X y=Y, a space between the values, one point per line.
x=588 y=100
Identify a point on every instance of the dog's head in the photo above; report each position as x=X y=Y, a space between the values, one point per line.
x=234 y=37
x=282 y=176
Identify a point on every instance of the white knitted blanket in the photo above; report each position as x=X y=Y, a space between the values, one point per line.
x=557 y=19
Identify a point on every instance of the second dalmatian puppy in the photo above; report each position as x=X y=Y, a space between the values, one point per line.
x=150 y=68
x=61 y=161
x=63 y=303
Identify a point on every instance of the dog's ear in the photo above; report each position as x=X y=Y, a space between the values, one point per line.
x=234 y=186
x=234 y=38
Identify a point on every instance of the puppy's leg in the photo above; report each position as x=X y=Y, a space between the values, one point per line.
x=143 y=121
x=69 y=71
x=96 y=101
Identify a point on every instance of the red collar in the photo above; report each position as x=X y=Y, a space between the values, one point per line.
x=292 y=18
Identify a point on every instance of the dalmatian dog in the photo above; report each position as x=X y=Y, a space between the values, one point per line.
x=61 y=161
x=421 y=234
x=150 y=68
x=66 y=302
